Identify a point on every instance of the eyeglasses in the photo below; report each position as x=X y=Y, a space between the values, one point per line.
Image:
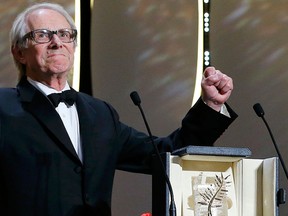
x=41 y=36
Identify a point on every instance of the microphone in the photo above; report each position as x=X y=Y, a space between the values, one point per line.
x=137 y=101
x=260 y=112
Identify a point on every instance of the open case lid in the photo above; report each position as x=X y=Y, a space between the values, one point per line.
x=212 y=150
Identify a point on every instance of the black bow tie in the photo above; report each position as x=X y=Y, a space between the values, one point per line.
x=68 y=97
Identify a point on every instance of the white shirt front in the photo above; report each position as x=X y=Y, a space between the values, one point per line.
x=67 y=113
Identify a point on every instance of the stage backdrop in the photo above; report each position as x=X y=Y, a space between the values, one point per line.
x=150 y=46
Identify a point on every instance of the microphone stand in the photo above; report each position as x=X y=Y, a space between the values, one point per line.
x=136 y=100
x=260 y=112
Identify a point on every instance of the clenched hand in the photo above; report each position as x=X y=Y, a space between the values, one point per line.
x=216 y=88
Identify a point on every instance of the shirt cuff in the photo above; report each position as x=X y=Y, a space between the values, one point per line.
x=224 y=111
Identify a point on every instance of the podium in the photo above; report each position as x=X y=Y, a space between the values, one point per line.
x=251 y=184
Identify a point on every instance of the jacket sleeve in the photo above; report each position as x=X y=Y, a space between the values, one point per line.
x=202 y=125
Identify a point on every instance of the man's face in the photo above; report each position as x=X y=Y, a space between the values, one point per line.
x=54 y=57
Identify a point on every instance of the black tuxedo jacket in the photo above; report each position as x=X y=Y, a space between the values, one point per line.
x=40 y=172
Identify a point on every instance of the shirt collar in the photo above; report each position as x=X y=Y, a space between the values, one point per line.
x=46 y=90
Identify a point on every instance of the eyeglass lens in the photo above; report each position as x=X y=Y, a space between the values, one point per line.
x=45 y=35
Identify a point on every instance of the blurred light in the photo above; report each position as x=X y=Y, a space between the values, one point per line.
x=203 y=58
x=206 y=58
x=76 y=68
x=200 y=50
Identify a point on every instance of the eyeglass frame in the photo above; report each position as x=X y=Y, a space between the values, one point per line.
x=31 y=35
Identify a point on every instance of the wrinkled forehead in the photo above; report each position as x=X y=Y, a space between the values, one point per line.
x=46 y=19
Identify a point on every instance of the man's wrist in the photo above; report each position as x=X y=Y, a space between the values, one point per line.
x=219 y=108
x=216 y=107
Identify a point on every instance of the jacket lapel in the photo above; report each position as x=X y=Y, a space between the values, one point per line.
x=41 y=108
x=88 y=126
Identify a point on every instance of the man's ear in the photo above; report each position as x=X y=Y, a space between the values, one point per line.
x=18 y=54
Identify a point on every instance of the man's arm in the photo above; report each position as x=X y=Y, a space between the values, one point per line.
x=211 y=115
x=202 y=125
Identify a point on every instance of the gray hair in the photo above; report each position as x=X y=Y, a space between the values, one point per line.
x=19 y=28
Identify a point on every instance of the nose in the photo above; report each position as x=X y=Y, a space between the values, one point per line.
x=55 y=41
